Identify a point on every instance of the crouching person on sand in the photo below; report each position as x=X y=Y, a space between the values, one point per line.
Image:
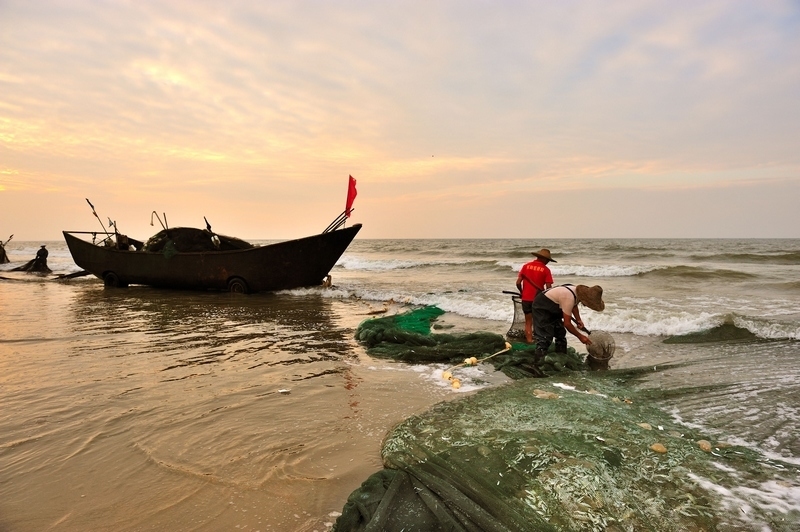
x=553 y=311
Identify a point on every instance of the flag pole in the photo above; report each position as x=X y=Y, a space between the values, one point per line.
x=342 y=218
x=337 y=223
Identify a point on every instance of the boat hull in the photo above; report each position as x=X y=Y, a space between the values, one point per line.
x=290 y=264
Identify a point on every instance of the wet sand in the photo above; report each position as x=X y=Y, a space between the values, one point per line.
x=143 y=409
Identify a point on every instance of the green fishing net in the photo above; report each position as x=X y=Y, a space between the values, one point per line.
x=189 y=239
x=580 y=453
x=407 y=337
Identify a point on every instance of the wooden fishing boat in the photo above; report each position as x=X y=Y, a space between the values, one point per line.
x=197 y=259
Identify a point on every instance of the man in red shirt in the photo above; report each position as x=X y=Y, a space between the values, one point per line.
x=533 y=277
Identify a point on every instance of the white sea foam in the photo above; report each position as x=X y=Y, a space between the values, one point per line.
x=772 y=496
x=593 y=270
x=651 y=321
x=734 y=440
x=470 y=378
x=610 y=270
x=463 y=304
x=643 y=317
x=351 y=262
x=767 y=329
x=355 y=263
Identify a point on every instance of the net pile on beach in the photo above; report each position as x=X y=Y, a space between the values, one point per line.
x=577 y=454
x=407 y=337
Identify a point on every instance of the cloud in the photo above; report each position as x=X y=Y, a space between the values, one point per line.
x=455 y=100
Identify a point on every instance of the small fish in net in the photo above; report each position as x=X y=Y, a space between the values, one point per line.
x=602 y=346
x=517 y=329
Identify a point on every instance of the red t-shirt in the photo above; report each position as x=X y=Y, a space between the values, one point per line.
x=534 y=276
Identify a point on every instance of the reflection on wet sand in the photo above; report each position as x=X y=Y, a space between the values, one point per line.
x=145 y=408
x=191 y=330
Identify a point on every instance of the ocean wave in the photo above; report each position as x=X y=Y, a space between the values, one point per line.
x=672 y=313
x=610 y=270
x=682 y=271
x=463 y=304
x=792 y=257
x=378 y=265
x=697 y=273
x=726 y=332
x=737 y=328
x=640 y=317
x=649 y=322
x=694 y=327
x=632 y=270
x=768 y=329
x=788 y=285
x=600 y=270
x=354 y=263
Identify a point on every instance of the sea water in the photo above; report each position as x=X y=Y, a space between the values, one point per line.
x=137 y=408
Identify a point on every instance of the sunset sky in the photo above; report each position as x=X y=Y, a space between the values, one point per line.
x=458 y=119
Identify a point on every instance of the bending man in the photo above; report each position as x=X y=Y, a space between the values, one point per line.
x=553 y=311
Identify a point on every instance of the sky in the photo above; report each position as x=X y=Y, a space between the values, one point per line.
x=458 y=119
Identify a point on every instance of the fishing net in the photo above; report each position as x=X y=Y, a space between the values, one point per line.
x=602 y=346
x=190 y=239
x=582 y=453
x=407 y=337
x=517 y=329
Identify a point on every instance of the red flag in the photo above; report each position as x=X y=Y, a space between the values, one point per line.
x=351 y=196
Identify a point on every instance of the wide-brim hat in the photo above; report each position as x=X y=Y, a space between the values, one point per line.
x=590 y=297
x=544 y=254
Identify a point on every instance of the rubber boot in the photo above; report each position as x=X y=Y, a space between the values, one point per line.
x=538 y=356
x=561 y=349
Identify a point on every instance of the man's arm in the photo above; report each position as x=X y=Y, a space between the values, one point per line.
x=571 y=328
x=577 y=314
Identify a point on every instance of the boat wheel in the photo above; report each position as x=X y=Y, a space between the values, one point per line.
x=237 y=285
x=111 y=280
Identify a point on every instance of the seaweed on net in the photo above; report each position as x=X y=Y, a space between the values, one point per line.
x=407 y=337
x=579 y=456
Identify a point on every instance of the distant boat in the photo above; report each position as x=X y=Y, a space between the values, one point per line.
x=197 y=259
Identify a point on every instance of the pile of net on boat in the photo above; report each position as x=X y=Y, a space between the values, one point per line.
x=407 y=337
x=577 y=452
x=190 y=239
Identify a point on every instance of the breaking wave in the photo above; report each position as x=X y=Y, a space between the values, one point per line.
x=698 y=273
x=639 y=320
x=792 y=258
x=378 y=265
x=692 y=327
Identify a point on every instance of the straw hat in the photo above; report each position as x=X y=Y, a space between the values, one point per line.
x=591 y=297
x=544 y=254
